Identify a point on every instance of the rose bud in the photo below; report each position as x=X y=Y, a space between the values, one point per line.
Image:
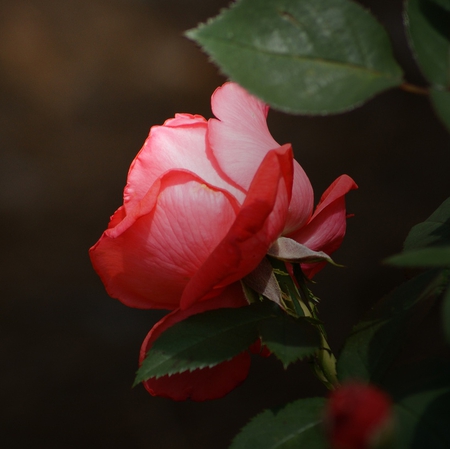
x=358 y=416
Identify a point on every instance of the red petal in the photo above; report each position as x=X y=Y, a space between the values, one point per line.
x=258 y=224
x=326 y=228
x=206 y=383
x=146 y=258
x=302 y=201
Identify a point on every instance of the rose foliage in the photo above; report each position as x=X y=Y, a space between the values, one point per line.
x=204 y=202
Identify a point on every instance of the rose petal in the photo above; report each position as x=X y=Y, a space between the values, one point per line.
x=302 y=201
x=206 y=383
x=258 y=224
x=326 y=228
x=240 y=138
x=178 y=144
x=147 y=259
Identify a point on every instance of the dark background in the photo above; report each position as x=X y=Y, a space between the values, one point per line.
x=81 y=82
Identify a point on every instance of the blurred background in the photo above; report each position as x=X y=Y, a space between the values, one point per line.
x=81 y=82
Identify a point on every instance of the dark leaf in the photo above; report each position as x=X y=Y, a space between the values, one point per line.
x=298 y=425
x=307 y=56
x=422 y=257
x=376 y=340
x=428 y=27
x=204 y=340
x=421 y=392
x=435 y=231
x=441 y=103
x=289 y=339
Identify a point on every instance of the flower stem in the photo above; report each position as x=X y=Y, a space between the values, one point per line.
x=325 y=361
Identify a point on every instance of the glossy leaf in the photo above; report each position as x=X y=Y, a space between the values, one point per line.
x=307 y=56
x=441 y=103
x=434 y=231
x=375 y=342
x=298 y=425
x=423 y=257
x=428 y=27
x=204 y=340
x=289 y=339
x=421 y=392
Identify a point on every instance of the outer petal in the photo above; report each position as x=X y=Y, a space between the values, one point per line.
x=239 y=138
x=302 y=201
x=178 y=144
x=326 y=228
x=149 y=255
x=200 y=384
x=258 y=224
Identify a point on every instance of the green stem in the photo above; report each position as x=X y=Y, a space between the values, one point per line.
x=302 y=303
x=325 y=362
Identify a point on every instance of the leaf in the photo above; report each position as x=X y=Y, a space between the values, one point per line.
x=298 y=425
x=376 y=340
x=204 y=340
x=446 y=315
x=423 y=257
x=441 y=103
x=421 y=392
x=289 y=339
x=428 y=28
x=308 y=56
x=435 y=231
x=443 y=3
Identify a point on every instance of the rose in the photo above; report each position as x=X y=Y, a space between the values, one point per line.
x=204 y=202
x=358 y=416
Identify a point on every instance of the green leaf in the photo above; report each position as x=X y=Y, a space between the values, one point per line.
x=446 y=315
x=434 y=231
x=421 y=392
x=428 y=28
x=307 y=56
x=374 y=342
x=443 y=3
x=298 y=425
x=289 y=339
x=204 y=340
x=423 y=257
x=441 y=103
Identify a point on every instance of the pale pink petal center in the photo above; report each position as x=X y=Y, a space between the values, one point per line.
x=240 y=138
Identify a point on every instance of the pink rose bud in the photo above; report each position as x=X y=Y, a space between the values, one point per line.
x=358 y=416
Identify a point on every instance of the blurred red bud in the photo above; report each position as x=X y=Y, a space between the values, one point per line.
x=358 y=416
